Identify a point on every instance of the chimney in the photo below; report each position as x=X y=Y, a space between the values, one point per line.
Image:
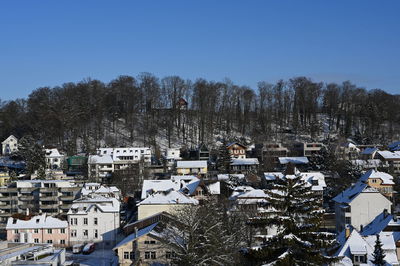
x=27 y=211
x=385 y=213
x=136 y=231
x=347 y=231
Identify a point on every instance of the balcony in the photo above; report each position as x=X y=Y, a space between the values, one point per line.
x=48 y=189
x=65 y=206
x=8 y=190
x=49 y=206
x=27 y=189
x=69 y=189
x=26 y=198
x=48 y=198
x=67 y=198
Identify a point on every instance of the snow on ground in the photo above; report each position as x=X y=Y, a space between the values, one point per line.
x=99 y=257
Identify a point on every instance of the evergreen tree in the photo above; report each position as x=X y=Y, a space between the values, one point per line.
x=33 y=155
x=297 y=214
x=224 y=159
x=379 y=255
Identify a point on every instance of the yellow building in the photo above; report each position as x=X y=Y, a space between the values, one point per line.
x=191 y=167
x=383 y=182
x=144 y=247
x=4 y=179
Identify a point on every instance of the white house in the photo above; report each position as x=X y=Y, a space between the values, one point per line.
x=191 y=167
x=358 y=206
x=54 y=159
x=127 y=153
x=9 y=145
x=94 y=219
x=163 y=201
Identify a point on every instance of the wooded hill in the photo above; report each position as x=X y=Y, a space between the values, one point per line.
x=144 y=109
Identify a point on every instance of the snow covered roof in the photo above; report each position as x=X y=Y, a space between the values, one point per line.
x=168 y=197
x=369 y=151
x=134 y=236
x=191 y=187
x=175 y=183
x=388 y=155
x=191 y=164
x=53 y=153
x=294 y=160
x=244 y=161
x=9 y=137
x=84 y=205
x=228 y=176
x=36 y=222
x=315 y=180
x=100 y=159
x=373 y=174
x=352 y=192
x=370 y=163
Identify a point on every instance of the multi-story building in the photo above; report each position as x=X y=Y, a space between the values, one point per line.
x=236 y=150
x=52 y=197
x=108 y=160
x=391 y=158
x=244 y=165
x=383 y=182
x=94 y=219
x=191 y=167
x=358 y=206
x=30 y=254
x=38 y=229
x=54 y=159
x=307 y=149
x=9 y=145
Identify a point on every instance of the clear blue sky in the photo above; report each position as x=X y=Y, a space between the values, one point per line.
x=47 y=43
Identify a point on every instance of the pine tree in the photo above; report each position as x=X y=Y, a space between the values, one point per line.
x=297 y=216
x=379 y=255
x=224 y=159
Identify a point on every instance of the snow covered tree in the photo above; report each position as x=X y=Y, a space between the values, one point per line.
x=206 y=234
x=379 y=255
x=224 y=158
x=297 y=214
x=33 y=155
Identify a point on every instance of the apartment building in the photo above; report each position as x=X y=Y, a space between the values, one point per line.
x=307 y=149
x=38 y=229
x=108 y=160
x=94 y=219
x=191 y=167
x=41 y=196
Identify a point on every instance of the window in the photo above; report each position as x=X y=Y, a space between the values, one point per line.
x=49 y=231
x=36 y=240
x=73 y=233
x=36 y=231
x=146 y=254
x=85 y=221
x=152 y=254
x=96 y=233
x=132 y=255
x=74 y=221
x=168 y=255
x=16 y=240
x=95 y=221
x=149 y=241
x=62 y=241
x=347 y=220
x=85 y=233
x=126 y=255
x=49 y=241
x=62 y=230
x=16 y=231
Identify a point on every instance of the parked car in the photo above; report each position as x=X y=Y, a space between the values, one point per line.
x=76 y=249
x=88 y=248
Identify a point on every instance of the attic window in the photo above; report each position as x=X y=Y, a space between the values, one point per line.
x=37 y=221
x=14 y=221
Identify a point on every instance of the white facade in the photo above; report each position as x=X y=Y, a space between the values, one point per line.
x=54 y=159
x=358 y=206
x=9 y=145
x=127 y=154
x=94 y=220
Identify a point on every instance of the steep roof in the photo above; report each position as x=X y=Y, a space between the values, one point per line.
x=369 y=151
x=244 y=161
x=134 y=236
x=294 y=160
x=352 y=192
x=373 y=174
x=388 y=155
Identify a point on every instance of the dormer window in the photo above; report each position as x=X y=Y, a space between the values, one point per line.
x=359 y=258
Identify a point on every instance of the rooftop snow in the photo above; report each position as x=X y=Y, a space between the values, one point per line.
x=191 y=164
x=244 y=161
x=40 y=221
x=294 y=160
x=349 y=194
x=134 y=236
x=168 y=197
x=372 y=174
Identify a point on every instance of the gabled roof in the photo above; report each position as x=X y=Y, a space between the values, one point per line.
x=372 y=174
x=388 y=155
x=394 y=146
x=134 y=236
x=377 y=225
x=168 y=197
x=100 y=159
x=36 y=222
x=9 y=137
x=237 y=143
x=352 y=192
